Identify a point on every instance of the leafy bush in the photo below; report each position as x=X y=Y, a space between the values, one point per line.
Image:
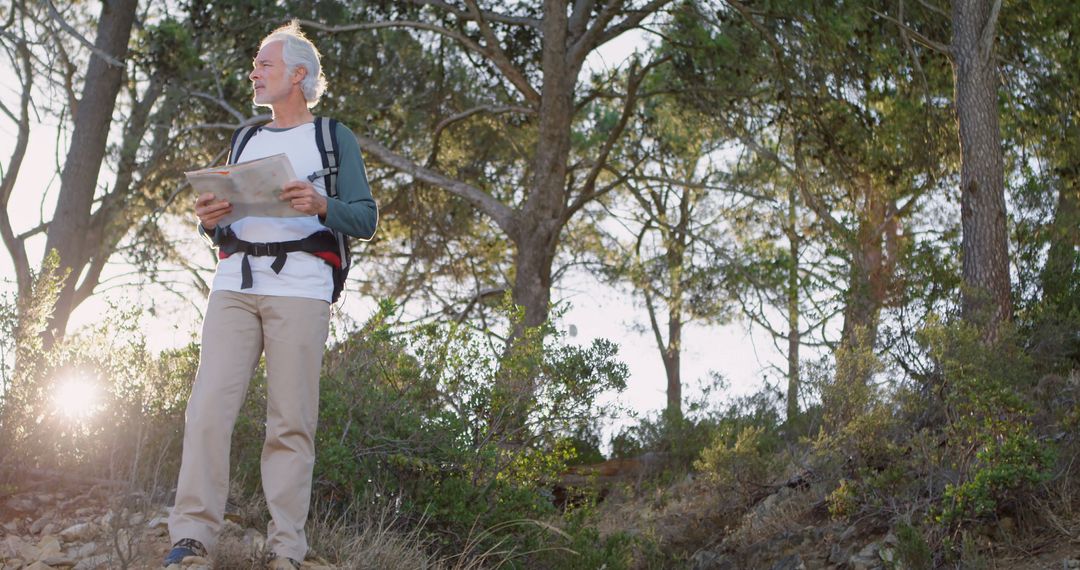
x=998 y=455
x=744 y=464
x=912 y=551
x=458 y=430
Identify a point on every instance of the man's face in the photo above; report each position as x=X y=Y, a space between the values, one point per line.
x=269 y=78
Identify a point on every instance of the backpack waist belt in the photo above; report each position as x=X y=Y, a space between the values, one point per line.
x=321 y=244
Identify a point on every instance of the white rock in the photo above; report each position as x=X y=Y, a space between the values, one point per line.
x=83 y=550
x=39 y=524
x=254 y=540
x=11 y=546
x=49 y=547
x=870 y=550
x=29 y=551
x=78 y=531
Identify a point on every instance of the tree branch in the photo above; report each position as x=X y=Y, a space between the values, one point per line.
x=443 y=124
x=221 y=102
x=934 y=8
x=107 y=58
x=500 y=213
x=499 y=58
x=587 y=41
x=986 y=37
x=91 y=279
x=936 y=46
x=631 y=21
x=511 y=73
x=589 y=187
x=486 y=14
x=579 y=18
x=16 y=247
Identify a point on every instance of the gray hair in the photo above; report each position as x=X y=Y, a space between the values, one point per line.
x=299 y=51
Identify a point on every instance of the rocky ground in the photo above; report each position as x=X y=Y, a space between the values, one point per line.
x=791 y=530
x=98 y=527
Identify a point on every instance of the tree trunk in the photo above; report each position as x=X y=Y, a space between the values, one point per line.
x=543 y=215
x=869 y=273
x=1059 y=274
x=986 y=297
x=793 y=337
x=532 y=275
x=78 y=180
x=673 y=366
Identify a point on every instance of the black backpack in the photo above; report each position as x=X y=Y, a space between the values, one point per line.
x=326 y=140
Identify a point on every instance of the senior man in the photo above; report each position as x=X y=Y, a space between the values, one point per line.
x=271 y=293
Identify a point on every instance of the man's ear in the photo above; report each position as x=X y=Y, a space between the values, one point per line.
x=299 y=74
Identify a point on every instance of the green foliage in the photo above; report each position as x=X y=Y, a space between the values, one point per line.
x=999 y=455
x=912 y=551
x=1005 y=468
x=456 y=430
x=589 y=549
x=744 y=464
x=168 y=47
x=850 y=394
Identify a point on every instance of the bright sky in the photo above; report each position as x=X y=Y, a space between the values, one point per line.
x=597 y=311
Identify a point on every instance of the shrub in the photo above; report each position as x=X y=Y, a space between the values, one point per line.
x=912 y=551
x=997 y=455
x=455 y=429
x=745 y=464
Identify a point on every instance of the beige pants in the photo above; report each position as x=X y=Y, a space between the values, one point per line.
x=237 y=329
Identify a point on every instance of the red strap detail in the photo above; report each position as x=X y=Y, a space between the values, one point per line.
x=329 y=257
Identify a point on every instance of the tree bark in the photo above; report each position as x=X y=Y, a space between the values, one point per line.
x=1060 y=271
x=543 y=215
x=793 y=337
x=986 y=298
x=673 y=367
x=71 y=219
x=871 y=270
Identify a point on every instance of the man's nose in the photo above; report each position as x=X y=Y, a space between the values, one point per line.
x=253 y=75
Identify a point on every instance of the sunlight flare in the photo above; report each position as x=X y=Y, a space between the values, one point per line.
x=76 y=398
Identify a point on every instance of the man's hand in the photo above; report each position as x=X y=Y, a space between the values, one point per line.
x=303 y=197
x=210 y=211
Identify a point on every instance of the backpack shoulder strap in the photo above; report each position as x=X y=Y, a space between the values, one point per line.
x=240 y=139
x=326 y=140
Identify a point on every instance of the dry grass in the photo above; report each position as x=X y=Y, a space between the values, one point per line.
x=371 y=540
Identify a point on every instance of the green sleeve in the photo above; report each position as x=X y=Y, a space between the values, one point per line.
x=353 y=212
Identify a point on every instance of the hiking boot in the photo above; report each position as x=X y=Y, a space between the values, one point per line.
x=184 y=548
x=281 y=563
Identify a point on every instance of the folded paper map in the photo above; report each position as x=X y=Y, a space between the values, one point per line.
x=253 y=187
